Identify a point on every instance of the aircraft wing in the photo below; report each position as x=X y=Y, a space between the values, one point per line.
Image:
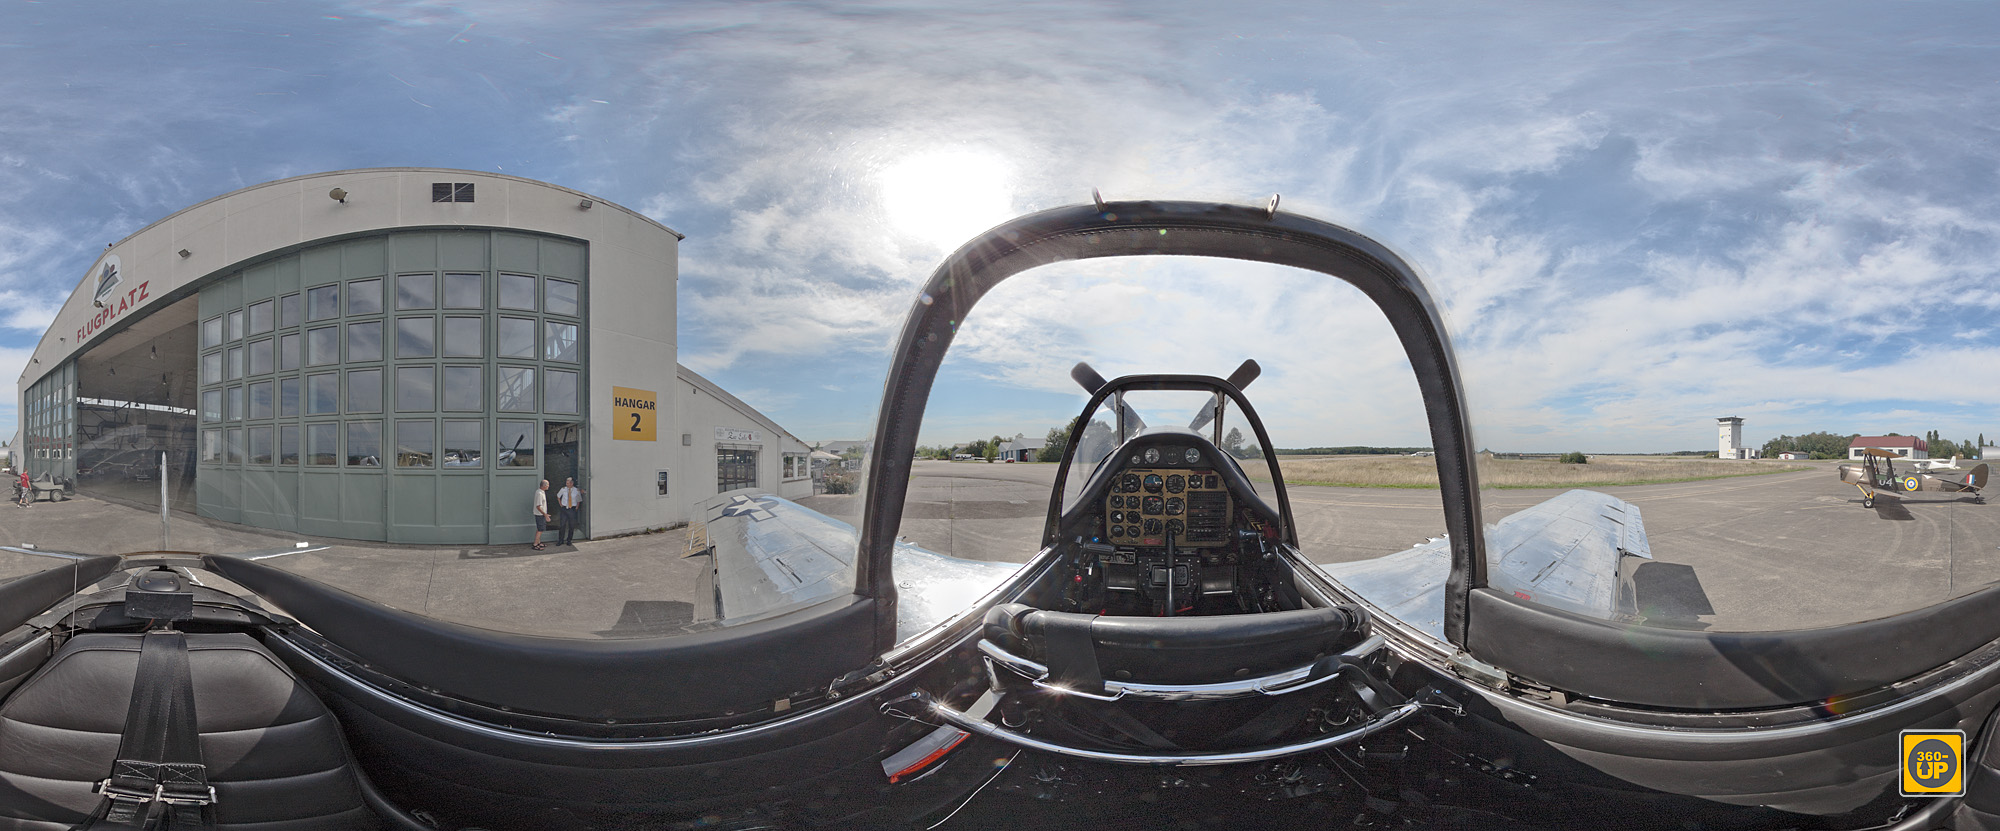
x=771 y=555
x=1567 y=553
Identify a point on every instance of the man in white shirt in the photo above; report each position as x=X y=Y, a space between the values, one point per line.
x=570 y=498
x=541 y=512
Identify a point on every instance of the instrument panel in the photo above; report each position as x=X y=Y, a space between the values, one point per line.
x=1146 y=503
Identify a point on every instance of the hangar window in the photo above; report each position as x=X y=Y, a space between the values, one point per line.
x=236 y=325
x=465 y=291
x=364 y=444
x=464 y=388
x=233 y=444
x=797 y=466
x=463 y=443
x=260 y=400
x=561 y=298
x=451 y=191
x=262 y=359
x=517 y=337
x=464 y=337
x=211 y=405
x=416 y=388
x=211 y=446
x=288 y=444
x=323 y=302
x=517 y=291
x=516 y=389
x=211 y=332
x=516 y=444
x=364 y=297
x=235 y=362
x=322 y=394
x=364 y=341
x=364 y=390
x=235 y=403
x=416 y=291
x=322 y=346
x=288 y=397
x=322 y=443
x=211 y=368
x=260 y=445
x=416 y=441
x=735 y=467
x=263 y=317
x=559 y=390
x=288 y=311
x=560 y=341
x=288 y=351
x=416 y=337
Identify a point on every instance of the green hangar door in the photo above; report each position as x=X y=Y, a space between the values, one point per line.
x=407 y=386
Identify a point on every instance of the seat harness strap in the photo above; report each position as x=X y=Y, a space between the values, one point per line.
x=159 y=754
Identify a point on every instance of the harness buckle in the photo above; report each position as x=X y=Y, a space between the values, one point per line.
x=120 y=793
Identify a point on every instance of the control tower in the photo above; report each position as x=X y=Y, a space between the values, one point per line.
x=1729 y=438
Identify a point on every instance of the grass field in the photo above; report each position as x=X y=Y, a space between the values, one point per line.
x=1603 y=471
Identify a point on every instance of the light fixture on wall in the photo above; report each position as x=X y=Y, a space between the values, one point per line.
x=186 y=253
x=156 y=353
x=585 y=205
x=97 y=303
x=112 y=370
x=338 y=195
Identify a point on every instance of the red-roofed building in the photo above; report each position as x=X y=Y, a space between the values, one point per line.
x=1908 y=447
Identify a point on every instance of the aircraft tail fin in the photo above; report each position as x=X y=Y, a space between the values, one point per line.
x=1977 y=479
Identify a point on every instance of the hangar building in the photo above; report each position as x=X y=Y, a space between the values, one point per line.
x=393 y=354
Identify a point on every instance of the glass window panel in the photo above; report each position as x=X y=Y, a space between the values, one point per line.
x=464 y=337
x=263 y=360
x=261 y=440
x=211 y=405
x=322 y=443
x=465 y=291
x=364 y=297
x=288 y=444
x=235 y=362
x=211 y=369
x=261 y=405
x=516 y=387
x=263 y=316
x=211 y=334
x=211 y=445
x=235 y=403
x=322 y=393
x=416 y=388
x=288 y=397
x=364 y=341
x=416 y=337
x=561 y=297
x=364 y=444
x=416 y=291
x=364 y=390
x=560 y=341
x=288 y=351
x=463 y=443
x=464 y=388
x=517 y=337
x=560 y=389
x=288 y=311
x=236 y=325
x=233 y=443
x=323 y=346
x=517 y=291
x=416 y=443
x=323 y=302
x=516 y=444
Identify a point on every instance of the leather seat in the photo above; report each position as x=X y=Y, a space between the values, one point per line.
x=273 y=751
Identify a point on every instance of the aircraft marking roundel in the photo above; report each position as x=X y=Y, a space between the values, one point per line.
x=1911 y=484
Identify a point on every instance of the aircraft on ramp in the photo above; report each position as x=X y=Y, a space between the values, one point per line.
x=1877 y=476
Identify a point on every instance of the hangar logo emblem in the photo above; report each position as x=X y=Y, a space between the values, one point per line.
x=108 y=275
x=1933 y=762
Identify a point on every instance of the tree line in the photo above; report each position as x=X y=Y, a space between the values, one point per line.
x=1834 y=445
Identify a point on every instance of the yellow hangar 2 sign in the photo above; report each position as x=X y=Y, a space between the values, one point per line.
x=634 y=414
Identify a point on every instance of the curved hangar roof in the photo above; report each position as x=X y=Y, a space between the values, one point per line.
x=168 y=259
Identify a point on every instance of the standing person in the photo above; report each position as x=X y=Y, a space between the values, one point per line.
x=27 y=490
x=570 y=499
x=541 y=512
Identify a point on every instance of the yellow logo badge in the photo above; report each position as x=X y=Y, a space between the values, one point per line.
x=1933 y=762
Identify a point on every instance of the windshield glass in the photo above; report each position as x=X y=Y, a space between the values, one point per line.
x=1145 y=412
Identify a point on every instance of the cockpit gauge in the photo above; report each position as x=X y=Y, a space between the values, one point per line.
x=1193 y=456
x=1174 y=506
x=1152 y=455
x=1129 y=483
x=1176 y=527
x=1175 y=484
x=1135 y=458
x=1152 y=526
x=1153 y=505
x=1117 y=517
x=1154 y=482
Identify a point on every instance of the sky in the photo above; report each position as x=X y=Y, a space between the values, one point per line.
x=1636 y=217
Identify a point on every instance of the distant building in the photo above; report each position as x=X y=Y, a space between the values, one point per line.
x=1988 y=453
x=1908 y=447
x=1794 y=455
x=1021 y=449
x=842 y=448
x=1729 y=439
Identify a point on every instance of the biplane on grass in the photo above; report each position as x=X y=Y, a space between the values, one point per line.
x=1877 y=476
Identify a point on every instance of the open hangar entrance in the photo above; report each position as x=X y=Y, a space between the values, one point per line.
x=135 y=407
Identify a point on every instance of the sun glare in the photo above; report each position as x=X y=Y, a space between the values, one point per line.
x=942 y=198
